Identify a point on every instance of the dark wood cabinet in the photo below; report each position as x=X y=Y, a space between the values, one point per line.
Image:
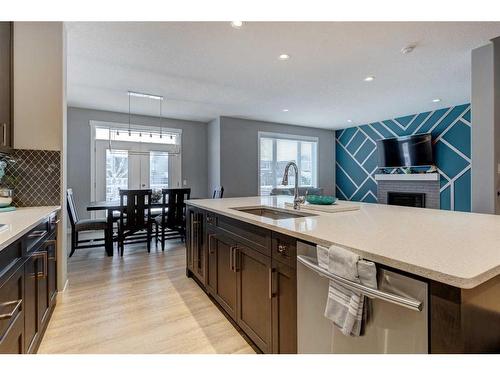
x=12 y=305
x=34 y=283
x=222 y=274
x=254 y=313
x=196 y=258
x=284 y=306
x=6 y=30
x=253 y=278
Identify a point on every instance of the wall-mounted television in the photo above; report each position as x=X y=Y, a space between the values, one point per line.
x=409 y=151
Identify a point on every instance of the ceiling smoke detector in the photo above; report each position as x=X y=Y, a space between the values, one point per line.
x=408 y=49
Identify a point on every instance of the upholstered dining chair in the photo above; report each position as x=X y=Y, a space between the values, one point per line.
x=172 y=222
x=82 y=225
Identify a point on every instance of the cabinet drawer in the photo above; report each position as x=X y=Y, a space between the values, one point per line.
x=9 y=257
x=284 y=249
x=36 y=236
x=256 y=237
x=11 y=302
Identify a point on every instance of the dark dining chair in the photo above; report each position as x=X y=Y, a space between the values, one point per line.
x=171 y=224
x=135 y=217
x=82 y=225
x=218 y=192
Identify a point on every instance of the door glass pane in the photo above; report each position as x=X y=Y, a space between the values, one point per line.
x=158 y=170
x=306 y=164
x=116 y=173
x=266 y=166
x=286 y=151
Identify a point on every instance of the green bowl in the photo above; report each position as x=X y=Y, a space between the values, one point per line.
x=321 y=199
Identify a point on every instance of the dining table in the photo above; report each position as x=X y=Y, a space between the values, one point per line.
x=110 y=207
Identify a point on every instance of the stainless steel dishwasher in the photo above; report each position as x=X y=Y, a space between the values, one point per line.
x=397 y=319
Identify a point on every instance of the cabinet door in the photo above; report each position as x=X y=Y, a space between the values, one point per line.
x=5 y=83
x=36 y=297
x=30 y=303
x=212 y=261
x=224 y=248
x=199 y=247
x=195 y=244
x=284 y=321
x=52 y=270
x=254 y=295
x=12 y=314
x=190 y=218
x=42 y=287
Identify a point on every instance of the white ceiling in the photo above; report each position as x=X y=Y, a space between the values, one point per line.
x=208 y=69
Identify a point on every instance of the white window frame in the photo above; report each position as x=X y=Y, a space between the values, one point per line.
x=116 y=125
x=293 y=137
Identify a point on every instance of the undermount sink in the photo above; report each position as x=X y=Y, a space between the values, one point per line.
x=272 y=213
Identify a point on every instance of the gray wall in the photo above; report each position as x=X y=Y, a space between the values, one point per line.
x=213 y=157
x=496 y=131
x=194 y=150
x=239 y=154
x=483 y=171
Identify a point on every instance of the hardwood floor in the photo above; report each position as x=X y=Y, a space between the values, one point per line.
x=141 y=303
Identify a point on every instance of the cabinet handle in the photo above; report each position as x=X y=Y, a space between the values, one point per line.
x=210 y=248
x=37 y=234
x=44 y=256
x=282 y=249
x=16 y=304
x=271 y=293
x=52 y=243
x=4 y=134
x=236 y=265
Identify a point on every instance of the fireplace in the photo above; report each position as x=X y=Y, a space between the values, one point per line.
x=406 y=199
x=416 y=190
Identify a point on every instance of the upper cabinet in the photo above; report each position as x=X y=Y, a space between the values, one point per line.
x=6 y=86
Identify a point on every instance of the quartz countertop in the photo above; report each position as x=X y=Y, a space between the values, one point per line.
x=21 y=221
x=455 y=248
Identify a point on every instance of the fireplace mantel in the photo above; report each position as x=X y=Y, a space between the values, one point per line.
x=407 y=177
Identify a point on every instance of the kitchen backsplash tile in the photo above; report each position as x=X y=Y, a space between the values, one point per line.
x=35 y=176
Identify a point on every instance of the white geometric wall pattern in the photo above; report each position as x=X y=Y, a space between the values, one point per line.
x=356 y=156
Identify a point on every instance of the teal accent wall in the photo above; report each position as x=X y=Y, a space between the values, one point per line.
x=356 y=154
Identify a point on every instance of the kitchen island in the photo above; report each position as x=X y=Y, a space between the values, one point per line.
x=456 y=254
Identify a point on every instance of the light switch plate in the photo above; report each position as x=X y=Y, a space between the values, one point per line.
x=184 y=182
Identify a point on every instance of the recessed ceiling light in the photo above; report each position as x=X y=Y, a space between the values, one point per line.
x=349 y=120
x=237 y=24
x=285 y=110
x=369 y=78
x=284 y=56
x=437 y=100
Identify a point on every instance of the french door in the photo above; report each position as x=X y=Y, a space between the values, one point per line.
x=131 y=165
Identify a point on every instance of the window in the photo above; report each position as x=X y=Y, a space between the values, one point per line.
x=116 y=173
x=158 y=170
x=145 y=158
x=276 y=150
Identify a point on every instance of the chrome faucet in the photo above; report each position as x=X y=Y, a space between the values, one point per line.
x=296 y=199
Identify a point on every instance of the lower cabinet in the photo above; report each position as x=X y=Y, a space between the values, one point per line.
x=222 y=275
x=284 y=291
x=257 y=292
x=254 y=277
x=12 y=305
x=195 y=244
x=29 y=295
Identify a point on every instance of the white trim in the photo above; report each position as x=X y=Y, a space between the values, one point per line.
x=107 y=124
x=408 y=177
x=287 y=136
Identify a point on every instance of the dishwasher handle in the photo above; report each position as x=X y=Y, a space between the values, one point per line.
x=409 y=303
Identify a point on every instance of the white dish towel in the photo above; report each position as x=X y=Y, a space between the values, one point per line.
x=344 y=306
